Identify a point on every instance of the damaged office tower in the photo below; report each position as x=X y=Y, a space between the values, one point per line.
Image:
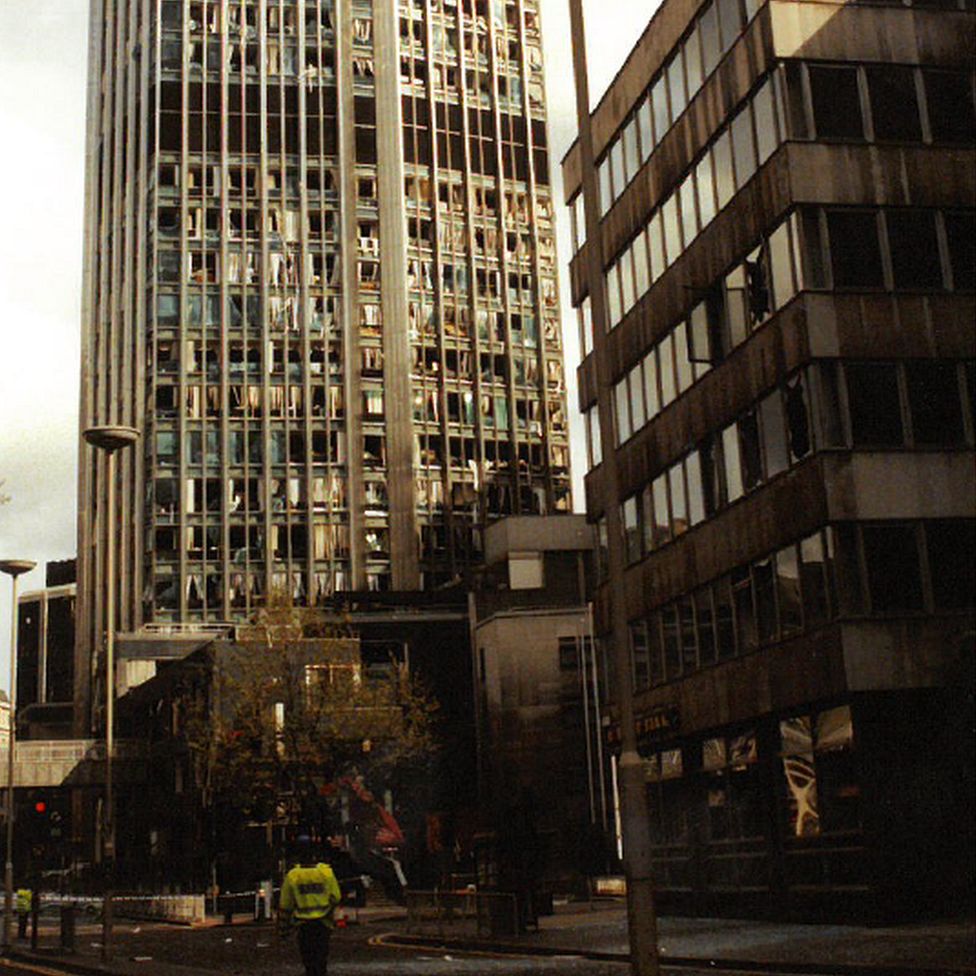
x=321 y=281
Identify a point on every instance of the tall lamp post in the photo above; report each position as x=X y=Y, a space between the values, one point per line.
x=109 y=439
x=13 y=568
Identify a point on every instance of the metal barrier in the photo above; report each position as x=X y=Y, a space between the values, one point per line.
x=460 y=913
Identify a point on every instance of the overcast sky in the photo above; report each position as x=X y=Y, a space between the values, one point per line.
x=42 y=117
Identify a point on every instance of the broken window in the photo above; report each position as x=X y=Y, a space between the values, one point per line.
x=894 y=106
x=874 y=404
x=855 y=254
x=914 y=246
x=934 y=403
x=891 y=559
x=836 y=102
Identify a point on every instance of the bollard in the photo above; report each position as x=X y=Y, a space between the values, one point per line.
x=68 y=928
x=228 y=911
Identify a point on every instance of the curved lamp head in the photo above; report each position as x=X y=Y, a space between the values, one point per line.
x=14 y=567
x=110 y=438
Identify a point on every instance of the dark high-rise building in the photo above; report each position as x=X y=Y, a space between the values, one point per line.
x=774 y=268
x=320 y=278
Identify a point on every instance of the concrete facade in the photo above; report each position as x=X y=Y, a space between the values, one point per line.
x=320 y=278
x=780 y=423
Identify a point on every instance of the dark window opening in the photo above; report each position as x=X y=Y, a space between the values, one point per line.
x=951 y=545
x=855 y=254
x=872 y=396
x=914 y=247
x=933 y=398
x=892 y=563
x=894 y=107
x=836 y=103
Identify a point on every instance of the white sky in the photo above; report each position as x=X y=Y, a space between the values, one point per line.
x=43 y=52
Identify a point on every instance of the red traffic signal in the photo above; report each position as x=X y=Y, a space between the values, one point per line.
x=40 y=807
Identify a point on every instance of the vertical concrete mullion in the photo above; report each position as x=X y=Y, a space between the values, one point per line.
x=472 y=269
x=90 y=324
x=513 y=438
x=183 y=494
x=393 y=297
x=224 y=304
x=143 y=263
x=264 y=277
x=542 y=358
x=350 y=289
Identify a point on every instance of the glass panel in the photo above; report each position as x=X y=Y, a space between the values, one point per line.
x=960 y=231
x=774 y=434
x=622 y=401
x=696 y=504
x=650 y=384
x=685 y=372
x=626 y=267
x=724 y=178
x=665 y=359
x=613 y=296
x=764 y=111
x=679 y=509
x=662 y=520
x=659 y=102
x=689 y=218
x=642 y=277
x=693 y=68
x=656 y=246
x=781 y=266
x=617 y=166
x=632 y=538
x=635 y=382
x=743 y=148
x=606 y=192
x=645 y=127
x=676 y=84
x=733 y=470
x=706 y=189
x=672 y=229
x=711 y=44
x=631 y=154
x=731 y=20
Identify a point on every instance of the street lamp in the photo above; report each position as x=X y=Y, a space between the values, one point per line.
x=13 y=568
x=109 y=439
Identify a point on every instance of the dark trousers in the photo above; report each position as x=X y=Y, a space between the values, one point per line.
x=22 y=925
x=313 y=944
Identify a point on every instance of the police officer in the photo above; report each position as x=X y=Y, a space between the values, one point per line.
x=24 y=899
x=309 y=896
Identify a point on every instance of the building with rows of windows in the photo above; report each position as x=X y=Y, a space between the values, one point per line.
x=774 y=271
x=321 y=281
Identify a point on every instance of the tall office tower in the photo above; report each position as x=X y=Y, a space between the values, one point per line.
x=320 y=279
x=775 y=271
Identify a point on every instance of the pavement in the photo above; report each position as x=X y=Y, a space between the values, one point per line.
x=596 y=931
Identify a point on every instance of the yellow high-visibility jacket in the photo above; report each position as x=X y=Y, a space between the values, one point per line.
x=310 y=893
x=24 y=898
